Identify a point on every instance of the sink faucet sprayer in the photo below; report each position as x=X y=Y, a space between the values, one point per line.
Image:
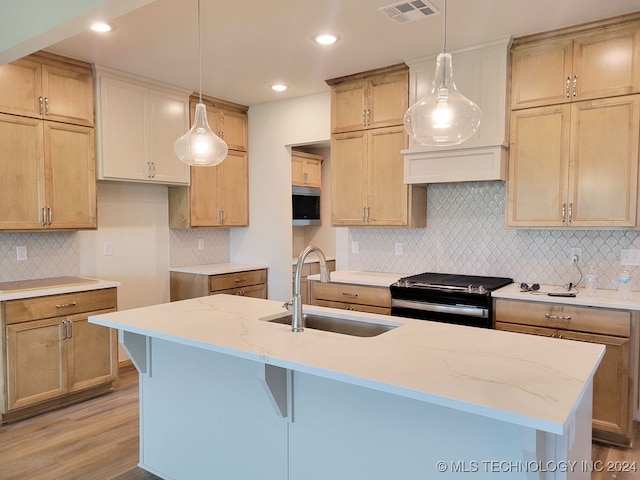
x=297 y=323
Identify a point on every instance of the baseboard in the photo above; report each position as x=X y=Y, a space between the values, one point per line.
x=125 y=365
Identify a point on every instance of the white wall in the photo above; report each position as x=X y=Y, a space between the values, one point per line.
x=273 y=129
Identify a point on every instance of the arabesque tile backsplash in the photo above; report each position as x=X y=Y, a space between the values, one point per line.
x=466 y=234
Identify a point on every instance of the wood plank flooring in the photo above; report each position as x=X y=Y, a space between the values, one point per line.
x=98 y=440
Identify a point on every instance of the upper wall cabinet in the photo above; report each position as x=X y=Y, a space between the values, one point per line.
x=306 y=169
x=49 y=87
x=598 y=62
x=47 y=160
x=138 y=122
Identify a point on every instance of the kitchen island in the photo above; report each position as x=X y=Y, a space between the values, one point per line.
x=224 y=393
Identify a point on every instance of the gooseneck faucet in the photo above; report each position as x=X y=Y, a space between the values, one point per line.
x=297 y=323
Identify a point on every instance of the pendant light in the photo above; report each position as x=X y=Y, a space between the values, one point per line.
x=200 y=147
x=444 y=116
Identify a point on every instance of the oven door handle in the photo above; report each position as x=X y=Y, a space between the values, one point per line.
x=440 y=308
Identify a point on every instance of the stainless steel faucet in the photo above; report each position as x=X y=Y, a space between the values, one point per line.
x=297 y=323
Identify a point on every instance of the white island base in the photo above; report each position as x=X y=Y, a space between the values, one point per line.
x=212 y=409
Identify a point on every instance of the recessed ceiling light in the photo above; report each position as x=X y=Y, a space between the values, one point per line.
x=326 y=39
x=101 y=27
x=278 y=87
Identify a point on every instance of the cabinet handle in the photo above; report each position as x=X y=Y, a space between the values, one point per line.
x=347 y=294
x=367 y=215
x=364 y=117
x=306 y=178
x=238 y=280
x=557 y=317
x=69 y=329
x=240 y=293
x=570 y=212
x=64 y=329
x=221 y=134
x=153 y=170
x=65 y=305
x=46 y=105
x=568 y=87
x=49 y=216
x=564 y=212
x=40 y=101
x=575 y=83
x=224 y=217
x=368 y=117
x=44 y=217
x=364 y=218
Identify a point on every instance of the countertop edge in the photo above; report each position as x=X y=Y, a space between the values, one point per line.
x=45 y=291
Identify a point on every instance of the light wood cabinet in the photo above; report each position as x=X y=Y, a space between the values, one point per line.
x=583 y=63
x=306 y=169
x=48 y=86
x=567 y=160
x=249 y=283
x=218 y=196
x=613 y=383
x=47 y=175
x=348 y=296
x=367 y=168
x=373 y=99
x=52 y=355
x=367 y=187
x=312 y=268
x=139 y=120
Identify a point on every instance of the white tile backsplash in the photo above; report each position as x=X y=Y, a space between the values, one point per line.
x=184 y=246
x=466 y=234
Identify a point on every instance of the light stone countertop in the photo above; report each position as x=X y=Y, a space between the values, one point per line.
x=601 y=298
x=57 y=289
x=217 y=268
x=376 y=279
x=496 y=374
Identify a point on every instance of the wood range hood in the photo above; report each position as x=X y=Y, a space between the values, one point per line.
x=480 y=73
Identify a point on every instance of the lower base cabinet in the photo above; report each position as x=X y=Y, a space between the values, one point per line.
x=614 y=382
x=305 y=284
x=52 y=355
x=349 y=296
x=249 y=283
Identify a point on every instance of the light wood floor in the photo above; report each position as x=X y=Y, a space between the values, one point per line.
x=98 y=440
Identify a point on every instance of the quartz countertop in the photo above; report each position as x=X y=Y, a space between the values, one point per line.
x=53 y=286
x=496 y=374
x=602 y=298
x=376 y=279
x=218 y=268
x=312 y=259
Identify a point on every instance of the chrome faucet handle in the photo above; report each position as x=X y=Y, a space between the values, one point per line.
x=288 y=305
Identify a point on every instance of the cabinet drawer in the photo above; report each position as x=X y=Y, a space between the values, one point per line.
x=255 y=291
x=354 y=294
x=238 y=279
x=583 y=319
x=36 y=308
x=353 y=307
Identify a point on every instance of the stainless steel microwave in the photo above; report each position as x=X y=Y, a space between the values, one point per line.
x=305 y=203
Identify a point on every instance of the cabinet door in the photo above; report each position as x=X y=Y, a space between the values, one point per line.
x=68 y=95
x=611 y=406
x=21 y=88
x=92 y=352
x=313 y=173
x=124 y=130
x=607 y=63
x=348 y=174
x=604 y=159
x=348 y=107
x=387 y=196
x=234 y=189
x=22 y=171
x=541 y=74
x=297 y=170
x=203 y=195
x=168 y=121
x=234 y=129
x=538 y=166
x=70 y=175
x=36 y=364
x=388 y=100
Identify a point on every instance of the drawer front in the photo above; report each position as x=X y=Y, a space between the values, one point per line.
x=36 y=308
x=354 y=307
x=255 y=291
x=350 y=293
x=551 y=315
x=238 y=279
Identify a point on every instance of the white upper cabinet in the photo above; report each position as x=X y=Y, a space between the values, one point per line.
x=138 y=121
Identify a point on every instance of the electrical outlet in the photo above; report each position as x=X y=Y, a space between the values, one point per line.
x=200 y=244
x=398 y=248
x=107 y=249
x=21 y=253
x=575 y=255
x=354 y=247
x=630 y=256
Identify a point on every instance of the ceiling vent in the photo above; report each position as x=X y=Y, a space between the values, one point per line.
x=405 y=12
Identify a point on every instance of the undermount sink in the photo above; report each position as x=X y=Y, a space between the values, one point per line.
x=338 y=325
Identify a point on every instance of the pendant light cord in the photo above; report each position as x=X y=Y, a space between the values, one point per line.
x=200 y=55
x=444 y=29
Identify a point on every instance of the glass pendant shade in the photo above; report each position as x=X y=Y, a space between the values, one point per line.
x=444 y=116
x=200 y=147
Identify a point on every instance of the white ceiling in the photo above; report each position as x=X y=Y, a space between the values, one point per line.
x=250 y=44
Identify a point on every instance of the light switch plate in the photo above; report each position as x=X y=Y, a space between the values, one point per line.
x=630 y=256
x=398 y=248
x=354 y=247
x=107 y=249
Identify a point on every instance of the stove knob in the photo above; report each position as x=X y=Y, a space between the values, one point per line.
x=481 y=289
